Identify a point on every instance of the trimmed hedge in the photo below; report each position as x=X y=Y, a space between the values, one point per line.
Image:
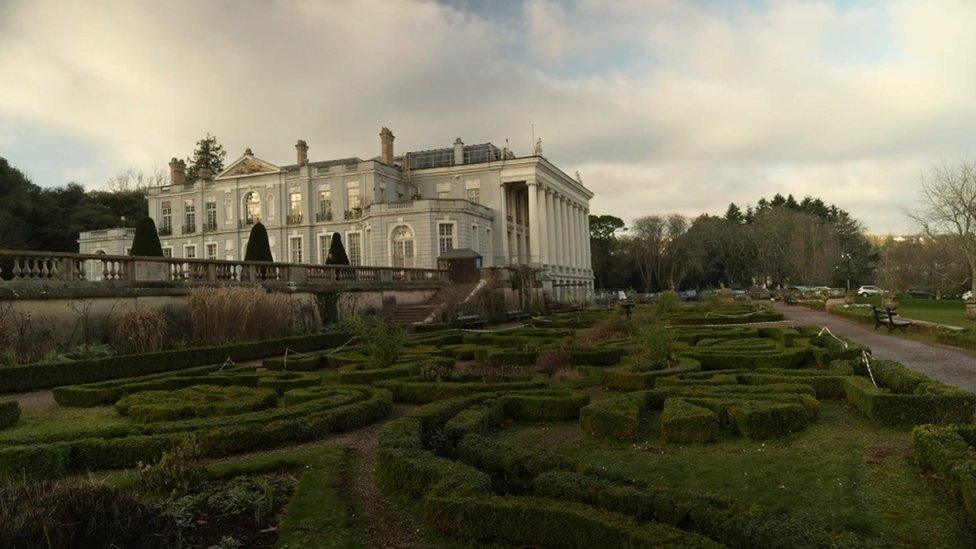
x=295 y=363
x=9 y=413
x=364 y=377
x=762 y=420
x=108 y=392
x=945 y=450
x=682 y=421
x=596 y=357
x=549 y=405
x=933 y=402
x=422 y=392
x=634 y=378
x=214 y=437
x=51 y=374
x=619 y=417
x=549 y=523
x=195 y=401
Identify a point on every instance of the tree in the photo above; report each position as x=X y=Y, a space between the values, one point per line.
x=662 y=255
x=208 y=154
x=337 y=253
x=258 y=247
x=135 y=179
x=604 y=246
x=949 y=208
x=146 y=241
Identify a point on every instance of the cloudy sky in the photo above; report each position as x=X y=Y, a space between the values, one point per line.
x=662 y=105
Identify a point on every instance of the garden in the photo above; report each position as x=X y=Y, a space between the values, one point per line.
x=683 y=425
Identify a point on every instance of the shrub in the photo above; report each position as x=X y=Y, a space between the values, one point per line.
x=418 y=392
x=227 y=314
x=946 y=450
x=633 y=378
x=195 y=401
x=294 y=362
x=138 y=331
x=145 y=243
x=655 y=344
x=549 y=362
x=177 y=470
x=381 y=342
x=547 y=405
x=760 y=421
x=9 y=413
x=436 y=369
x=932 y=402
x=79 y=514
x=682 y=421
x=618 y=417
x=258 y=247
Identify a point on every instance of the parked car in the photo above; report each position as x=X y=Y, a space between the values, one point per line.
x=867 y=291
x=967 y=295
x=920 y=293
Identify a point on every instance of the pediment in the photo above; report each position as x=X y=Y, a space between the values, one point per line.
x=248 y=165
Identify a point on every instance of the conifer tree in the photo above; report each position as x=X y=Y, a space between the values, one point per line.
x=208 y=154
x=337 y=252
x=146 y=241
x=258 y=247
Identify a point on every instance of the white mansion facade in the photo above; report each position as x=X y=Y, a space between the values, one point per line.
x=399 y=211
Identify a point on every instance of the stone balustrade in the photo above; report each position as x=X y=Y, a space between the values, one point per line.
x=25 y=269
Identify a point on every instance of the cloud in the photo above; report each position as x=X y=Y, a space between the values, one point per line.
x=665 y=105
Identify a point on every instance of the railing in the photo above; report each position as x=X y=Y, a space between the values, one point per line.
x=209 y=226
x=165 y=230
x=28 y=268
x=189 y=228
x=354 y=213
x=323 y=216
x=293 y=219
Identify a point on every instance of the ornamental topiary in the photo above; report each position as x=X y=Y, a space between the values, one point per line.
x=337 y=253
x=258 y=247
x=146 y=241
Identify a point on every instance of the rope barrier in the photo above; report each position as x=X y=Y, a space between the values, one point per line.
x=790 y=322
x=864 y=354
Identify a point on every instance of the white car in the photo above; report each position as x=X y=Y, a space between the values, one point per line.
x=865 y=291
x=967 y=296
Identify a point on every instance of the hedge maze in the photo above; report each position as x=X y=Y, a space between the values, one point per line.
x=701 y=381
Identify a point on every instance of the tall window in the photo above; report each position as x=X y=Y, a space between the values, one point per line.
x=325 y=205
x=166 y=215
x=212 y=250
x=324 y=242
x=190 y=252
x=295 y=210
x=295 y=249
x=210 y=211
x=189 y=217
x=402 y=246
x=252 y=208
x=355 y=245
x=354 y=200
x=445 y=237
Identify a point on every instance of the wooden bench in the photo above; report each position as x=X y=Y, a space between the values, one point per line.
x=889 y=319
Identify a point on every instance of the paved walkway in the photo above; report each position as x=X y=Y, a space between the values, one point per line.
x=947 y=364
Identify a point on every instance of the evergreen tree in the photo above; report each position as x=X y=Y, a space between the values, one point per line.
x=337 y=252
x=208 y=154
x=146 y=242
x=733 y=214
x=258 y=247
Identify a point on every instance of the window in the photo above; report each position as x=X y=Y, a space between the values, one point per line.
x=189 y=217
x=475 y=245
x=252 y=208
x=211 y=250
x=295 y=211
x=353 y=198
x=474 y=195
x=325 y=205
x=445 y=237
x=295 y=249
x=168 y=251
x=166 y=214
x=489 y=245
x=354 y=241
x=210 y=211
x=325 y=242
x=190 y=251
x=402 y=246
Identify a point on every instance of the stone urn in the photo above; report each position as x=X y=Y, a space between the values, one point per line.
x=971 y=309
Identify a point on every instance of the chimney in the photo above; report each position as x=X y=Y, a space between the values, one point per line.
x=386 y=146
x=177 y=172
x=302 y=149
x=458 y=152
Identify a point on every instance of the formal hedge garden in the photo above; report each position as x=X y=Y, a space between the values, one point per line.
x=671 y=428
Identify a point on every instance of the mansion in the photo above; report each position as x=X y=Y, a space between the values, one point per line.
x=398 y=211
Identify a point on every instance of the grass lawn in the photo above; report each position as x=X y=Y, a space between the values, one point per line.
x=941 y=311
x=843 y=471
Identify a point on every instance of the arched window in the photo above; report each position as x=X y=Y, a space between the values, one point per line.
x=252 y=208
x=401 y=241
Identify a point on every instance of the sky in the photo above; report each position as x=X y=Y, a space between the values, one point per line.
x=661 y=105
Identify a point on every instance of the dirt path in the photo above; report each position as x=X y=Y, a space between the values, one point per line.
x=33 y=401
x=385 y=525
x=944 y=363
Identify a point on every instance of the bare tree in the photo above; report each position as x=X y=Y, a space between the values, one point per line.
x=662 y=257
x=135 y=179
x=949 y=208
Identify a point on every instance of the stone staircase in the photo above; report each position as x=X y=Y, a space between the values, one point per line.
x=418 y=314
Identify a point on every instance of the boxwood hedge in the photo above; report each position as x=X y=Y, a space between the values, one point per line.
x=9 y=413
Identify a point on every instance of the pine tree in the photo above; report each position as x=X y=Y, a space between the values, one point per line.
x=146 y=241
x=258 y=247
x=208 y=154
x=337 y=252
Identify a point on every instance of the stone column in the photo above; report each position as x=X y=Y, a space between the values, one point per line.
x=503 y=214
x=543 y=226
x=558 y=235
x=588 y=254
x=582 y=237
x=567 y=246
x=534 y=233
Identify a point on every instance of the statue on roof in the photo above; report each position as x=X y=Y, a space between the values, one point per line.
x=538 y=147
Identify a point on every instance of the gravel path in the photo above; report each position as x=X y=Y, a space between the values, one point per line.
x=947 y=364
x=386 y=525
